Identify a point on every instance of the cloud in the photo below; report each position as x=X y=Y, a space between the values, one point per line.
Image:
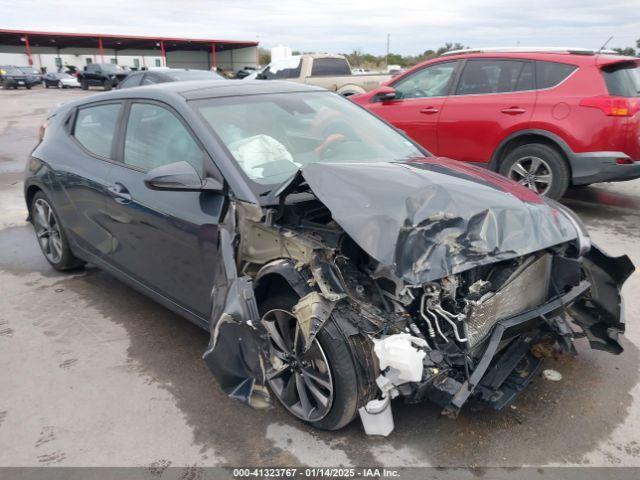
x=320 y=25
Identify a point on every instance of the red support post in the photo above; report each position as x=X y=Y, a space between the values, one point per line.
x=214 y=58
x=101 y=49
x=28 y=49
x=164 y=58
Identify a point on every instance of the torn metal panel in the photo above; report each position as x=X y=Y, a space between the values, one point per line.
x=426 y=222
x=238 y=344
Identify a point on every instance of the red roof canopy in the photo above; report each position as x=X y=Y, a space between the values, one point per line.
x=113 y=41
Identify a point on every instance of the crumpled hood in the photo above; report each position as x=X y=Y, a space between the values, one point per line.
x=429 y=218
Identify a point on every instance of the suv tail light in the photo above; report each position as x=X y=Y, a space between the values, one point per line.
x=613 y=106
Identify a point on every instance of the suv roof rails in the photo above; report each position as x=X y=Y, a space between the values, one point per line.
x=575 y=51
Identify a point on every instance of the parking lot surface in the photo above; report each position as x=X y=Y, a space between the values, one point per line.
x=94 y=374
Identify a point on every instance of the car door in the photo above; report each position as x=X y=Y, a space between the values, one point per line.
x=83 y=162
x=418 y=103
x=166 y=240
x=493 y=98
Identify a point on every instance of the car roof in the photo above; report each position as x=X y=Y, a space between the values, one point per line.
x=201 y=89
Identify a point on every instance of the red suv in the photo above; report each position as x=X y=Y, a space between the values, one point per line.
x=547 y=118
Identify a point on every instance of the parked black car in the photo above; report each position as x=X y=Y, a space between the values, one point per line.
x=12 y=77
x=34 y=77
x=245 y=72
x=151 y=77
x=105 y=75
x=331 y=258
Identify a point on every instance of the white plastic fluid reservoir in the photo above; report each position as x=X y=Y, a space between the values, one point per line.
x=399 y=353
x=377 y=418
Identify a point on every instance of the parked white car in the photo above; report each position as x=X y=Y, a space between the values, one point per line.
x=60 y=80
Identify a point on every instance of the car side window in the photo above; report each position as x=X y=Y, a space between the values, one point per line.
x=431 y=81
x=495 y=76
x=156 y=137
x=133 y=80
x=550 y=74
x=149 y=79
x=95 y=128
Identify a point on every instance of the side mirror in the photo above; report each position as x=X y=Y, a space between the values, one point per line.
x=385 y=94
x=180 y=176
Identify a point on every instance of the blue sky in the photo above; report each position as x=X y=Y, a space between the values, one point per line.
x=333 y=26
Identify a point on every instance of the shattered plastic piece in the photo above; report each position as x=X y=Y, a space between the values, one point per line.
x=399 y=354
x=387 y=387
x=377 y=417
x=236 y=349
x=312 y=311
x=552 y=375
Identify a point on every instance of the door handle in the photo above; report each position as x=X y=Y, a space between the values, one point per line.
x=119 y=192
x=513 y=110
x=429 y=110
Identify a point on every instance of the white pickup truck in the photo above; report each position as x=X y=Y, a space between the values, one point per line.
x=332 y=72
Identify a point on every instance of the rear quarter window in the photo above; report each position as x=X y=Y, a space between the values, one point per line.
x=622 y=79
x=95 y=128
x=550 y=74
x=330 y=66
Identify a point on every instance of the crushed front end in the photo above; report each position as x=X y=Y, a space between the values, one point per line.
x=444 y=283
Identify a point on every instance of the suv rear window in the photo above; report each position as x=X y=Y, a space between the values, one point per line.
x=623 y=79
x=330 y=66
x=550 y=74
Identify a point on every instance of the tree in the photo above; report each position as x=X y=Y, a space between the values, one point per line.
x=265 y=56
x=628 y=51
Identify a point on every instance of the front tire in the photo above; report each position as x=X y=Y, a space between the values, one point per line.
x=51 y=235
x=84 y=85
x=60 y=85
x=107 y=85
x=538 y=167
x=331 y=372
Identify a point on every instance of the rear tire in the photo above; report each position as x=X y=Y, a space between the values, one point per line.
x=51 y=236
x=83 y=84
x=60 y=85
x=28 y=87
x=107 y=85
x=344 y=404
x=538 y=167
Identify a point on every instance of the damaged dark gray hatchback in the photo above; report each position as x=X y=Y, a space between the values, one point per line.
x=333 y=261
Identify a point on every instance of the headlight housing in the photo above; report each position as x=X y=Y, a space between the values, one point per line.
x=583 y=240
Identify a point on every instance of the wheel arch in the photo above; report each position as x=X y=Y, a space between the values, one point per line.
x=524 y=137
x=29 y=194
x=277 y=275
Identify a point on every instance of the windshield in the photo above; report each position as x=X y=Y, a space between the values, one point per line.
x=271 y=136
x=10 y=71
x=111 y=68
x=623 y=79
x=193 y=75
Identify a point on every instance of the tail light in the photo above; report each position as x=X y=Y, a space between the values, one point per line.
x=613 y=106
x=43 y=129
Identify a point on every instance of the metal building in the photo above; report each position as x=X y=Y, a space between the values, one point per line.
x=55 y=51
